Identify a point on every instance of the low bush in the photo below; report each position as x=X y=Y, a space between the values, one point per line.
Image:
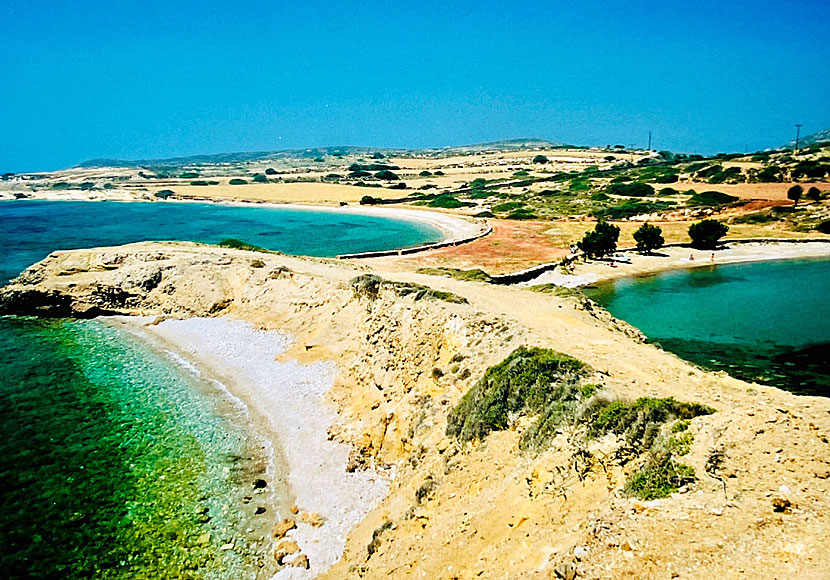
x=448 y=201
x=240 y=245
x=634 y=189
x=631 y=208
x=711 y=198
x=369 y=200
x=477 y=275
x=528 y=380
x=386 y=175
x=238 y=182
x=370 y=285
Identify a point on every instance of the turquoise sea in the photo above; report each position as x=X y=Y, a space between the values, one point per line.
x=117 y=460
x=763 y=321
x=30 y=230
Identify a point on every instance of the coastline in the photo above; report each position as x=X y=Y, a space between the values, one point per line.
x=676 y=258
x=287 y=406
x=453 y=227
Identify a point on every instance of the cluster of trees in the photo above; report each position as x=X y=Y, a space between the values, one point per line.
x=602 y=240
x=796 y=191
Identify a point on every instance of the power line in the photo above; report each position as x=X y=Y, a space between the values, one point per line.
x=797 y=135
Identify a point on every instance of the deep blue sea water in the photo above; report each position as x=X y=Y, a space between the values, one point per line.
x=764 y=321
x=30 y=230
x=116 y=461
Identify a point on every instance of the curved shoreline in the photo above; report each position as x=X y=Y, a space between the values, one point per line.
x=673 y=257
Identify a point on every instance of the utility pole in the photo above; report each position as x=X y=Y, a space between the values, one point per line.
x=797 y=135
x=649 y=140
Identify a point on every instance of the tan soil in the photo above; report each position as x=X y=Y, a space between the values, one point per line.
x=496 y=512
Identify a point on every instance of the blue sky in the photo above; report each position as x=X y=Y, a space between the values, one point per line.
x=158 y=79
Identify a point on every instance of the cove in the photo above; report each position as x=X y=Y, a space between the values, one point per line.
x=30 y=230
x=763 y=321
x=118 y=459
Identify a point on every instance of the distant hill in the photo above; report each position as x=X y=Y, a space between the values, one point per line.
x=820 y=138
x=242 y=157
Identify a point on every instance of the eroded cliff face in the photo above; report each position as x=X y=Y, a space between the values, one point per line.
x=758 y=508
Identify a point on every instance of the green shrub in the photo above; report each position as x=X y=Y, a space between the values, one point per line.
x=386 y=175
x=824 y=227
x=769 y=174
x=477 y=275
x=369 y=200
x=659 y=478
x=203 y=183
x=705 y=234
x=270 y=171
x=668 y=191
x=632 y=208
x=447 y=200
x=240 y=245
x=728 y=175
x=238 y=182
x=369 y=285
x=541 y=159
x=508 y=206
x=814 y=193
x=666 y=178
x=522 y=214
x=711 y=198
x=634 y=420
x=695 y=167
x=425 y=173
x=260 y=178
x=189 y=174
x=529 y=379
x=709 y=171
x=164 y=193
x=634 y=189
x=810 y=170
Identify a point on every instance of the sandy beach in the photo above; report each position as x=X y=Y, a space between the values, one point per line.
x=289 y=404
x=673 y=258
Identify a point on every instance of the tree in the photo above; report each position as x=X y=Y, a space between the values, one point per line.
x=814 y=193
x=794 y=193
x=648 y=238
x=260 y=178
x=705 y=234
x=601 y=241
x=270 y=171
x=540 y=159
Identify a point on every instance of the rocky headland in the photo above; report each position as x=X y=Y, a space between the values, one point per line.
x=482 y=496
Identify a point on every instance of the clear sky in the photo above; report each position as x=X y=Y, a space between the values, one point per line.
x=151 y=79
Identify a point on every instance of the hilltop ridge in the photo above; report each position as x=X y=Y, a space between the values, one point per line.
x=312 y=152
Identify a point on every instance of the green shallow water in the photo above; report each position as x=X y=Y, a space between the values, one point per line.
x=116 y=462
x=765 y=321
